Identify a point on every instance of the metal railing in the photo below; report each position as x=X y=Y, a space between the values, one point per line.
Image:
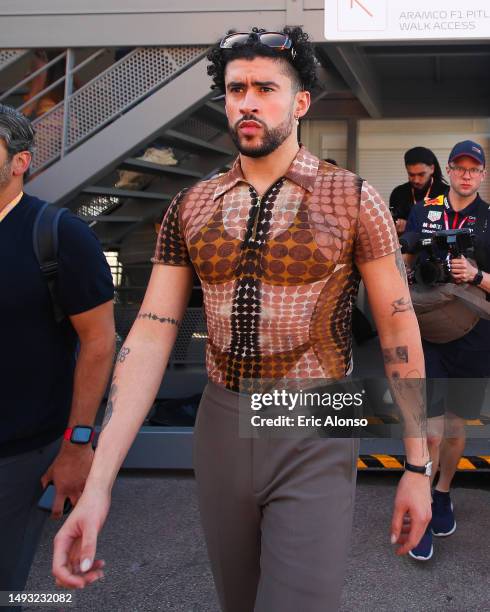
x=88 y=109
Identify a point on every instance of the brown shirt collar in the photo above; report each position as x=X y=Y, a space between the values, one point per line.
x=302 y=171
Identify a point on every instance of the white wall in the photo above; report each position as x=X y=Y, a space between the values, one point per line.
x=382 y=144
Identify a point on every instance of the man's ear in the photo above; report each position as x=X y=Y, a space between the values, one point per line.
x=21 y=162
x=303 y=101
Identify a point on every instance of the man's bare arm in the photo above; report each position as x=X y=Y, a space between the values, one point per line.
x=96 y=333
x=139 y=369
x=95 y=329
x=399 y=334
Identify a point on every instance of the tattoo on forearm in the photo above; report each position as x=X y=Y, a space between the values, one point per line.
x=110 y=406
x=398 y=354
x=401 y=305
x=154 y=317
x=123 y=353
x=400 y=264
x=409 y=393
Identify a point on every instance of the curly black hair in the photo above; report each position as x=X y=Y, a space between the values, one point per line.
x=303 y=62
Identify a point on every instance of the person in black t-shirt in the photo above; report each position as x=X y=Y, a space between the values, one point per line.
x=451 y=399
x=425 y=181
x=49 y=396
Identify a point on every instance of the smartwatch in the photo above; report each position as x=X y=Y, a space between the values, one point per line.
x=426 y=469
x=80 y=434
x=477 y=279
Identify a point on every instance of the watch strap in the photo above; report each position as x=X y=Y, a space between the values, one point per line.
x=69 y=431
x=477 y=278
x=419 y=469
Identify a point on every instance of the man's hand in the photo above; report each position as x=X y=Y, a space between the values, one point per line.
x=68 y=472
x=412 y=511
x=75 y=544
x=462 y=270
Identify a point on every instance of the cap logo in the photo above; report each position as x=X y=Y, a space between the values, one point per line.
x=476 y=149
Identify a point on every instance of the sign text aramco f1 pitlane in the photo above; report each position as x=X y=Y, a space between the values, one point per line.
x=363 y=20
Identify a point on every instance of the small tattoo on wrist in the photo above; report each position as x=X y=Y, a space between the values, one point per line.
x=154 y=317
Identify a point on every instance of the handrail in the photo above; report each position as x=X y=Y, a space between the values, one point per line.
x=67 y=78
x=41 y=93
x=105 y=97
x=32 y=76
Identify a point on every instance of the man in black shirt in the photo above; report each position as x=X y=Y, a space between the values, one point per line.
x=49 y=397
x=425 y=182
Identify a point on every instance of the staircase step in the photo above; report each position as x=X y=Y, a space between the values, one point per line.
x=192 y=144
x=152 y=168
x=126 y=193
x=213 y=114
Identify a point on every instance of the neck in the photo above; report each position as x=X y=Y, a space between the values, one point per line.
x=10 y=192
x=459 y=202
x=262 y=172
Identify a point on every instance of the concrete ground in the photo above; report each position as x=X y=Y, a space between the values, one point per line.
x=156 y=558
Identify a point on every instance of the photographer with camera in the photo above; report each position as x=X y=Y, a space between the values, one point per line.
x=449 y=246
x=425 y=182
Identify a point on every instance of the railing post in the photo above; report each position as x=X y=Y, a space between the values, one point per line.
x=70 y=63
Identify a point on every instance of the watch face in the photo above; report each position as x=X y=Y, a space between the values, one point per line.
x=428 y=468
x=81 y=434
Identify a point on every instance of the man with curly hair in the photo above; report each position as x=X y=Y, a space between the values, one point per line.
x=279 y=243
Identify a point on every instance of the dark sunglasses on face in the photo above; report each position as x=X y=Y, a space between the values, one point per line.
x=274 y=40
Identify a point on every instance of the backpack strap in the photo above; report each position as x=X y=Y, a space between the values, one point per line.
x=45 y=243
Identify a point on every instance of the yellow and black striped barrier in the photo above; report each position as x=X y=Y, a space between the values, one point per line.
x=395 y=462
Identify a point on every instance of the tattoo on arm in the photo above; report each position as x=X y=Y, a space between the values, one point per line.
x=154 y=317
x=398 y=354
x=409 y=393
x=401 y=305
x=400 y=264
x=123 y=353
x=110 y=406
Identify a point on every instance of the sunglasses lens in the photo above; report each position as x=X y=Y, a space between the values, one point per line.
x=275 y=40
x=234 y=39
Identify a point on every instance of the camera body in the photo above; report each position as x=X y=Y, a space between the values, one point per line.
x=432 y=266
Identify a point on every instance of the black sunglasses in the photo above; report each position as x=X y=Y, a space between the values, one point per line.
x=274 y=40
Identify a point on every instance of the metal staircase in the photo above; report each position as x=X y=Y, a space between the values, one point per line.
x=98 y=133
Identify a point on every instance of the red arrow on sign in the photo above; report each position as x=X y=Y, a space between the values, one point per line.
x=352 y=2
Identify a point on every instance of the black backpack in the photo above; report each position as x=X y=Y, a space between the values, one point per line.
x=45 y=243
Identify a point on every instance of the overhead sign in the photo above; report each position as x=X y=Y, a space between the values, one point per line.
x=359 y=20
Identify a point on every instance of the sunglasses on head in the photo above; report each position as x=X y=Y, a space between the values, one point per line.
x=273 y=40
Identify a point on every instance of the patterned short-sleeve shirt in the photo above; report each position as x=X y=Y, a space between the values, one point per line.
x=278 y=272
